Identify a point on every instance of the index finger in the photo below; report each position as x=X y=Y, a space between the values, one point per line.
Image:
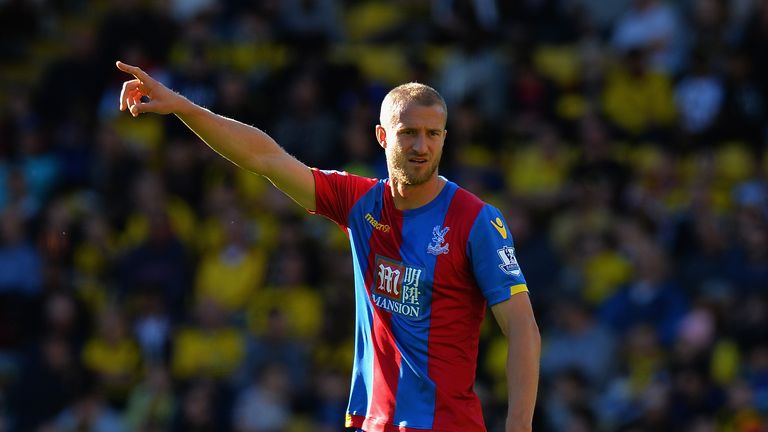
x=133 y=70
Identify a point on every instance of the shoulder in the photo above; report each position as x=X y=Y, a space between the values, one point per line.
x=465 y=209
x=472 y=208
x=344 y=177
x=465 y=201
x=481 y=220
x=342 y=181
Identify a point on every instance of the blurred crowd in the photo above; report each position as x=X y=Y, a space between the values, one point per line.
x=146 y=284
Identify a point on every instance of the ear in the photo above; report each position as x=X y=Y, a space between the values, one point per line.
x=381 y=136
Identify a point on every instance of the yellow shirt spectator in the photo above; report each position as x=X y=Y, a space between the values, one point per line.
x=604 y=272
x=539 y=169
x=212 y=353
x=231 y=275
x=533 y=173
x=113 y=355
x=180 y=215
x=302 y=306
x=638 y=101
x=112 y=358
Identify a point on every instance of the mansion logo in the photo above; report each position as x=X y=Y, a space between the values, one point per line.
x=396 y=287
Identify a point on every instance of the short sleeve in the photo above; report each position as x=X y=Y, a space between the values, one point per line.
x=492 y=256
x=336 y=192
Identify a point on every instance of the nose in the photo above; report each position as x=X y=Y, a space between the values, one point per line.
x=420 y=143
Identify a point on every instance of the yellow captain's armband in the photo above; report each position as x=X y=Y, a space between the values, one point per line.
x=517 y=289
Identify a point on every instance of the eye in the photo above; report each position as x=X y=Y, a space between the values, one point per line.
x=435 y=133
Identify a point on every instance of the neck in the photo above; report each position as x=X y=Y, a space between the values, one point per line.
x=408 y=197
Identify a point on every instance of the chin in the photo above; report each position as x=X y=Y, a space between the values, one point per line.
x=403 y=176
x=416 y=181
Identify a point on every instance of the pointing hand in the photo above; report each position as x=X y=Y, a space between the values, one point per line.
x=145 y=94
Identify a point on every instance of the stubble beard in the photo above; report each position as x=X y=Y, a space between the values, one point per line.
x=400 y=174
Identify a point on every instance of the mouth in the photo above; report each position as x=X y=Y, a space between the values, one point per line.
x=418 y=161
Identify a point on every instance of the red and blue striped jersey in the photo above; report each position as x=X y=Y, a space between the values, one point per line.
x=423 y=278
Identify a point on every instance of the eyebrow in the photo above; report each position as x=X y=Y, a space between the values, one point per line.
x=408 y=128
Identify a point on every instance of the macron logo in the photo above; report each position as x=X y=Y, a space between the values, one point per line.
x=376 y=224
x=499 y=225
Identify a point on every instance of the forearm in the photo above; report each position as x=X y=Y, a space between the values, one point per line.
x=522 y=376
x=246 y=146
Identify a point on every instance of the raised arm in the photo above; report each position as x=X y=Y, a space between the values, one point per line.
x=244 y=145
x=515 y=317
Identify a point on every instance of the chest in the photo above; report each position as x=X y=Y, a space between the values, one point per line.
x=411 y=252
x=421 y=239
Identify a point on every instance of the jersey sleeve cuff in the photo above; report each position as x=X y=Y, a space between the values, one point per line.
x=318 y=184
x=517 y=289
x=501 y=294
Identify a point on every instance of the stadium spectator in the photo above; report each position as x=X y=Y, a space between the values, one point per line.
x=91 y=412
x=113 y=356
x=308 y=23
x=208 y=347
x=744 y=106
x=233 y=272
x=50 y=379
x=652 y=26
x=637 y=100
x=578 y=343
x=265 y=404
x=649 y=298
x=151 y=404
x=699 y=97
x=20 y=262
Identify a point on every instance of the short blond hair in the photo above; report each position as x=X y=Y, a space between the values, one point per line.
x=399 y=97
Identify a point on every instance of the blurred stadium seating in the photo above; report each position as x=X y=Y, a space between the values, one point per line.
x=148 y=285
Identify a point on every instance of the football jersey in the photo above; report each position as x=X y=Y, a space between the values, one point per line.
x=423 y=278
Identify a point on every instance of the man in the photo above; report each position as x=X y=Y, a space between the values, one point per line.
x=428 y=256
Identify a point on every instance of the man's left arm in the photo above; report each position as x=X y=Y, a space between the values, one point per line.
x=515 y=317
